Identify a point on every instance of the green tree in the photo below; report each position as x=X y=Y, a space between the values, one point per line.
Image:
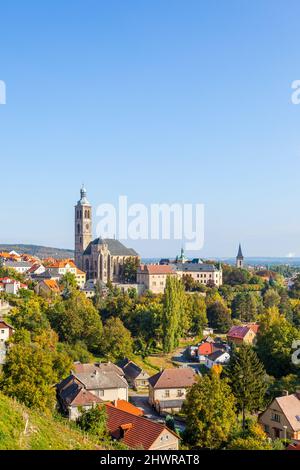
x=219 y=317
x=198 y=314
x=173 y=312
x=117 y=342
x=94 y=421
x=76 y=319
x=271 y=298
x=295 y=288
x=210 y=412
x=247 y=378
x=129 y=270
x=245 y=306
x=30 y=315
x=32 y=368
x=274 y=343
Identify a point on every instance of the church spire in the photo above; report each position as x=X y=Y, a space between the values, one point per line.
x=240 y=258
x=240 y=254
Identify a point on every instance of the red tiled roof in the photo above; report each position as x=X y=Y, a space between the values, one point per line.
x=84 y=397
x=138 y=432
x=129 y=407
x=173 y=378
x=205 y=348
x=4 y=324
x=157 y=269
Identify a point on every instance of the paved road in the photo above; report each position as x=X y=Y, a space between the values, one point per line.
x=141 y=401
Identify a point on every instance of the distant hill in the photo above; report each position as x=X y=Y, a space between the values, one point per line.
x=39 y=251
x=42 y=431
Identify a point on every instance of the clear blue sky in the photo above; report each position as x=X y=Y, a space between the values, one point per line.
x=163 y=101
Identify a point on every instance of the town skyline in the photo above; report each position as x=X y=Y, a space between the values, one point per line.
x=102 y=99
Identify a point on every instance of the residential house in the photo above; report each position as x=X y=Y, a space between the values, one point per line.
x=167 y=389
x=102 y=381
x=243 y=334
x=139 y=433
x=154 y=277
x=6 y=331
x=135 y=375
x=79 y=368
x=61 y=267
x=11 y=286
x=20 y=266
x=36 y=269
x=218 y=357
x=48 y=287
x=282 y=418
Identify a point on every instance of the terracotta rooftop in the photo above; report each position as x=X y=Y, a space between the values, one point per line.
x=157 y=269
x=135 y=431
x=173 y=378
x=129 y=407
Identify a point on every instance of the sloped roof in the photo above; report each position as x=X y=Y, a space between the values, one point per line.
x=52 y=284
x=173 y=378
x=215 y=355
x=163 y=269
x=139 y=432
x=129 y=407
x=132 y=370
x=84 y=398
x=78 y=367
x=196 y=267
x=101 y=380
x=115 y=247
x=290 y=406
x=238 y=332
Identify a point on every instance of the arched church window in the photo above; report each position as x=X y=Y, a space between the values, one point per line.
x=87 y=265
x=78 y=228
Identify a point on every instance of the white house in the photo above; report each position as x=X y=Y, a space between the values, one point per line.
x=217 y=358
x=11 y=286
x=5 y=333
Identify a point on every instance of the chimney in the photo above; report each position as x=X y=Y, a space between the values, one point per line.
x=298 y=394
x=124 y=428
x=285 y=393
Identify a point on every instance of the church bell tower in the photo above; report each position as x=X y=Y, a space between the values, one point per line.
x=240 y=258
x=83 y=227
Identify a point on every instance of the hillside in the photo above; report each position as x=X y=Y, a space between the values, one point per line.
x=42 y=433
x=39 y=251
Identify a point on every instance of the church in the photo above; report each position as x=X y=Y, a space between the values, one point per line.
x=101 y=259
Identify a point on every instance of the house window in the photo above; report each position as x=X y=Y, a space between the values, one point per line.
x=101 y=393
x=275 y=417
x=179 y=393
x=167 y=393
x=2 y=332
x=267 y=428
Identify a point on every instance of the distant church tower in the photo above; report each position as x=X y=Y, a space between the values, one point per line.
x=240 y=258
x=83 y=227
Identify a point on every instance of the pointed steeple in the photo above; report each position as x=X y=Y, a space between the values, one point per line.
x=240 y=254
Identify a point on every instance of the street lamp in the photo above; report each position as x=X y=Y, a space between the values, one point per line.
x=285 y=428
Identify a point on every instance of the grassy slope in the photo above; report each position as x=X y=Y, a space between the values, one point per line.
x=43 y=432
